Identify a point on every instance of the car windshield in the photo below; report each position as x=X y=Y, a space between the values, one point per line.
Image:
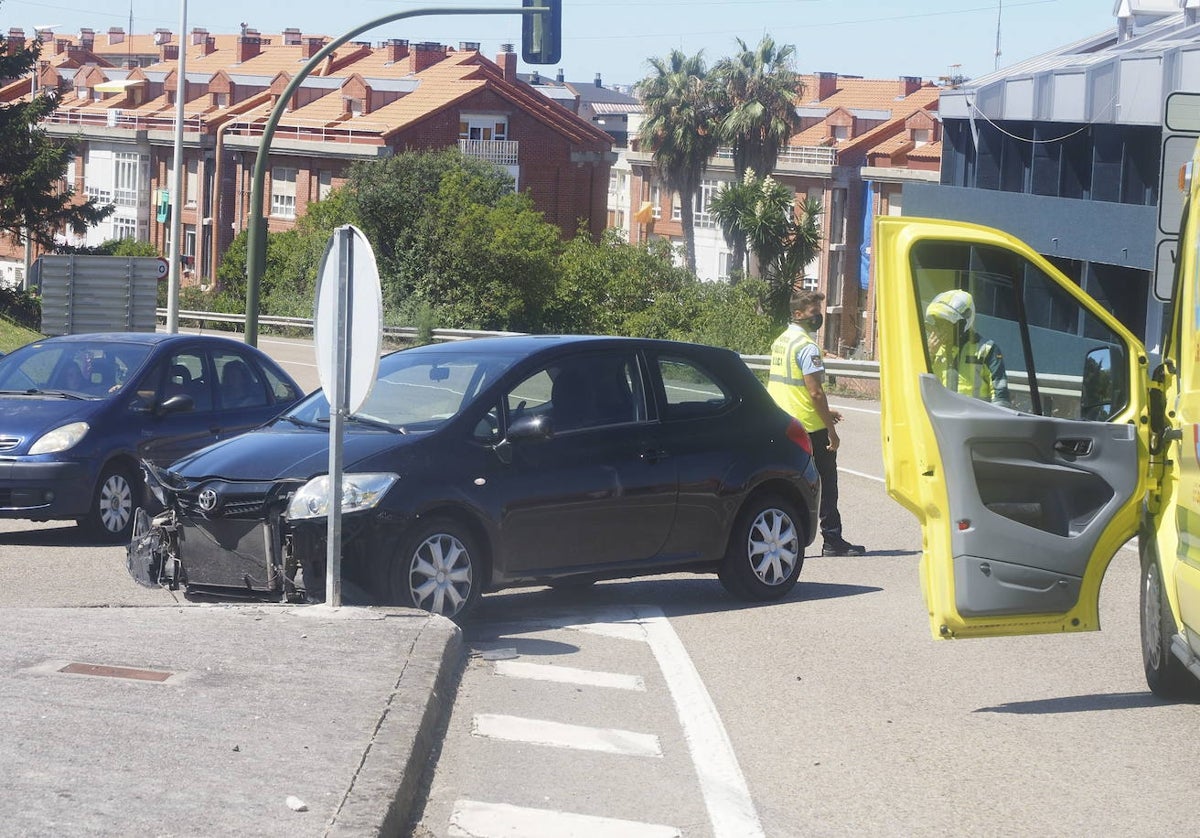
x=76 y=368
x=416 y=390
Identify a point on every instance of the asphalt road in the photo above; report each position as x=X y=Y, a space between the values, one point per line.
x=844 y=717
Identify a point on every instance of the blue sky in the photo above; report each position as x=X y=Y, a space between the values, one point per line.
x=926 y=38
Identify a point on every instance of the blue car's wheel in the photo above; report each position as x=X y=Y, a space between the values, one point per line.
x=116 y=498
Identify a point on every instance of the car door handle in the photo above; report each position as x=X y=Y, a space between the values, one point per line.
x=1074 y=447
x=653 y=455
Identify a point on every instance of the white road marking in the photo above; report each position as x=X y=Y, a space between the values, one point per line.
x=569 y=675
x=861 y=474
x=559 y=735
x=472 y=819
x=855 y=409
x=726 y=796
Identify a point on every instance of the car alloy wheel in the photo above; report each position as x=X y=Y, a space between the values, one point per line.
x=1166 y=675
x=766 y=550
x=442 y=573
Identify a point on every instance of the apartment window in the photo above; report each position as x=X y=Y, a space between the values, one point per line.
x=189 y=248
x=191 y=189
x=221 y=100
x=283 y=192
x=612 y=185
x=324 y=184
x=839 y=132
x=126 y=168
x=700 y=205
x=482 y=127
x=922 y=136
x=124 y=228
x=655 y=200
x=356 y=107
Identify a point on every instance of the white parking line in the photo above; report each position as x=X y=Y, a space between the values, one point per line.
x=472 y=819
x=569 y=675
x=559 y=735
x=730 y=807
x=873 y=411
x=861 y=474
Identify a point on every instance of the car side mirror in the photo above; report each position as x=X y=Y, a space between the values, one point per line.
x=523 y=428
x=179 y=403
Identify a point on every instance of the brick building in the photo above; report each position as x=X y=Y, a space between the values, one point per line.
x=364 y=101
x=860 y=142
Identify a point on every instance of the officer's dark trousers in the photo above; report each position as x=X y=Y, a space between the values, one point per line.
x=826 y=460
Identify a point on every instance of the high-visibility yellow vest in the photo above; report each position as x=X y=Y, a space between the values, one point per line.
x=786 y=382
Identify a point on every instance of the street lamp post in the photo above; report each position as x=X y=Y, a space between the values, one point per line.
x=256 y=242
x=177 y=175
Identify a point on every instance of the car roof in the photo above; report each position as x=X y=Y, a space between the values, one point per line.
x=147 y=338
x=522 y=346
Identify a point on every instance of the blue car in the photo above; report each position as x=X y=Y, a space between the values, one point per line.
x=79 y=413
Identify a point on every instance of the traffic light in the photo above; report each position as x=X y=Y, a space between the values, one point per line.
x=541 y=34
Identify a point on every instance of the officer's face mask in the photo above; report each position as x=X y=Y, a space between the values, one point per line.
x=813 y=323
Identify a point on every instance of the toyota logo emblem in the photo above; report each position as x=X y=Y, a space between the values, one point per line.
x=208 y=500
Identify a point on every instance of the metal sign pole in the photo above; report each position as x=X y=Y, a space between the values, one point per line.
x=339 y=397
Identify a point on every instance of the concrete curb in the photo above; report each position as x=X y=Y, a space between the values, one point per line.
x=381 y=796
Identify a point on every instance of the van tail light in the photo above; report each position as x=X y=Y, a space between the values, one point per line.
x=797 y=434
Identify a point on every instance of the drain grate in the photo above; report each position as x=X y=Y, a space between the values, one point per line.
x=102 y=671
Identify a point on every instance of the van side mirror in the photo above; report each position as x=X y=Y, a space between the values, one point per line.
x=1103 y=393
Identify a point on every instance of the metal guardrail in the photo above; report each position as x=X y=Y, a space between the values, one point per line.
x=846 y=367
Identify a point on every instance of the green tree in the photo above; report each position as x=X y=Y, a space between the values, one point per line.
x=680 y=130
x=760 y=213
x=485 y=264
x=603 y=285
x=32 y=164
x=757 y=91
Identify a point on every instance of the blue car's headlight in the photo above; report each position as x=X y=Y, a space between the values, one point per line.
x=359 y=492
x=59 y=439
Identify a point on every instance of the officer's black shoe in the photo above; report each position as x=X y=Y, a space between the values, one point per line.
x=841 y=547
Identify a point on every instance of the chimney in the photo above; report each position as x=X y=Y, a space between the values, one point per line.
x=168 y=52
x=909 y=85
x=87 y=38
x=199 y=36
x=16 y=40
x=426 y=54
x=535 y=77
x=248 y=46
x=397 y=50
x=826 y=85
x=598 y=82
x=209 y=46
x=507 y=59
x=312 y=46
x=291 y=37
x=559 y=77
x=468 y=46
x=61 y=45
x=116 y=35
x=162 y=36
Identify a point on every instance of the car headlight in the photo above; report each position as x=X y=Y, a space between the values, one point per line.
x=359 y=492
x=60 y=439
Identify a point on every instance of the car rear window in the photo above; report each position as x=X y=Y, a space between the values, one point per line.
x=690 y=390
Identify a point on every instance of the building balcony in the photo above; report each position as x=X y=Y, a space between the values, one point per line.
x=500 y=152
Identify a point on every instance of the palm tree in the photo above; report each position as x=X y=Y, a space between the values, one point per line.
x=680 y=131
x=758 y=90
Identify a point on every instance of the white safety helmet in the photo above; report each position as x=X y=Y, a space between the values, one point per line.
x=955 y=306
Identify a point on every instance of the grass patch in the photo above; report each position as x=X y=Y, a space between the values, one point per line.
x=13 y=335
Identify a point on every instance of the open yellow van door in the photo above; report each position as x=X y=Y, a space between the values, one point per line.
x=1015 y=427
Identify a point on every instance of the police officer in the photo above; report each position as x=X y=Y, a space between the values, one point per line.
x=964 y=361
x=797 y=383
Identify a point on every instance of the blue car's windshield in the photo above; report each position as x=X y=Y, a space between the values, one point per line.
x=416 y=390
x=77 y=368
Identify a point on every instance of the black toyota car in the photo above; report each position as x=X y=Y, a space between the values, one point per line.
x=498 y=462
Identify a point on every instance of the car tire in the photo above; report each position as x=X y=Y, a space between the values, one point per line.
x=116 y=498
x=439 y=569
x=766 y=550
x=1166 y=674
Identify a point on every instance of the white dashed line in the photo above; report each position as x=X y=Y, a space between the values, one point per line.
x=472 y=819
x=569 y=675
x=559 y=735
